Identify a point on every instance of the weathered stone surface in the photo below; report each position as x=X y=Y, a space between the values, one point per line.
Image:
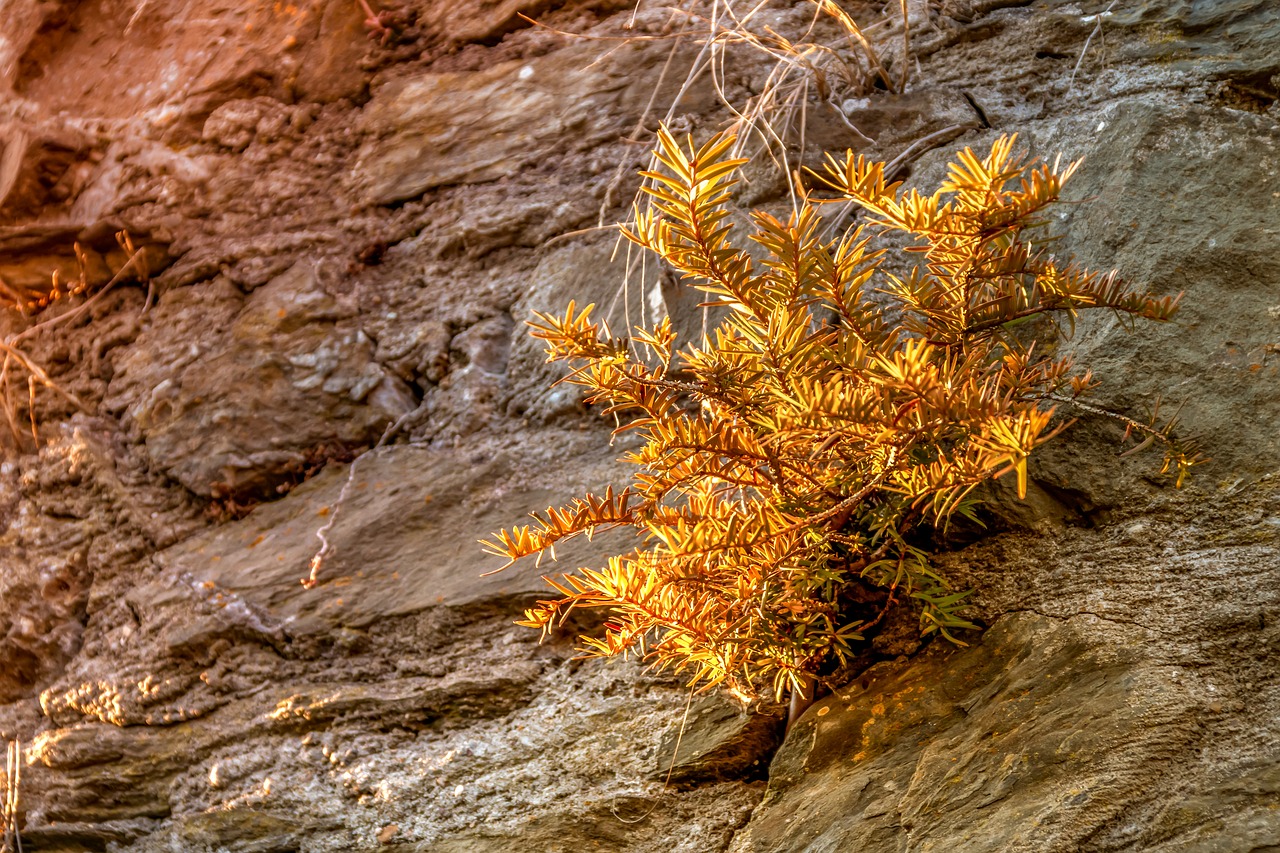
x=718 y=740
x=77 y=837
x=1052 y=734
x=452 y=128
x=483 y=20
x=702 y=821
x=891 y=122
x=41 y=169
x=1025 y=742
x=404 y=539
x=42 y=631
x=1130 y=652
x=592 y=271
x=312 y=49
x=470 y=394
x=65 y=518
x=505 y=743
x=258 y=389
x=21 y=19
x=1174 y=210
x=1240 y=34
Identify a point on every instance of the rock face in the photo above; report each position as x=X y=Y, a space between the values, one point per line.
x=434 y=130
x=250 y=391
x=1081 y=721
x=325 y=358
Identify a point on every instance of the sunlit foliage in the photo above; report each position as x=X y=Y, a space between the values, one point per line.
x=836 y=410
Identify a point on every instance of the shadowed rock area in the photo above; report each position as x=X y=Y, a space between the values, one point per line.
x=342 y=238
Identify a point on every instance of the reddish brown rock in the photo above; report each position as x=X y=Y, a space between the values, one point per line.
x=42 y=170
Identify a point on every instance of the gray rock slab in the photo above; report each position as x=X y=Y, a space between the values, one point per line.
x=405 y=538
x=718 y=740
x=437 y=129
x=1164 y=197
x=590 y=271
x=1041 y=738
x=1186 y=201
x=1226 y=34
x=1127 y=683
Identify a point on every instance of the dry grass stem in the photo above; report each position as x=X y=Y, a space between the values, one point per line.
x=18 y=368
x=10 y=841
x=803 y=70
x=1097 y=30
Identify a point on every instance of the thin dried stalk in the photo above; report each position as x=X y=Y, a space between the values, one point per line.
x=18 y=367
x=1097 y=29
x=767 y=122
x=858 y=36
x=10 y=840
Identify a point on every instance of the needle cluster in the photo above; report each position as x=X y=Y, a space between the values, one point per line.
x=837 y=408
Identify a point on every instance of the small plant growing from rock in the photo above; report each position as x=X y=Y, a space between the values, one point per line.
x=798 y=451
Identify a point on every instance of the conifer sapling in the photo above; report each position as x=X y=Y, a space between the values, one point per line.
x=837 y=408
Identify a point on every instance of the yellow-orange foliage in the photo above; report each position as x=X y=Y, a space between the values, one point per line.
x=793 y=450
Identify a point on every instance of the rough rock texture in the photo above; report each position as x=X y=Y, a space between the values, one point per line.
x=343 y=237
x=1090 y=717
x=717 y=740
x=232 y=394
x=434 y=130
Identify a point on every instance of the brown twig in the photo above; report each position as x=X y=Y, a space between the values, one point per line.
x=906 y=47
x=382 y=26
